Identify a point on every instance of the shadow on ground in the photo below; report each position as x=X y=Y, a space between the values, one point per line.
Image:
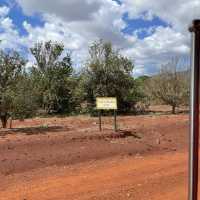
x=32 y=130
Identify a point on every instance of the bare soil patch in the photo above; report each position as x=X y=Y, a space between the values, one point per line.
x=68 y=158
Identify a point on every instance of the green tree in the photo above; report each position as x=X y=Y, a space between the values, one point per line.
x=170 y=86
x=108 y=74
x=24 y=103
x=11 y=65
x=138 y=94
x=52 y=76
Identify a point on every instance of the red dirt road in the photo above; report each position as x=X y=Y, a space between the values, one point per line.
x=68 y=159
x=151 y=177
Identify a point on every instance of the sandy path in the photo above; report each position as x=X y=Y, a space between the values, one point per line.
x=146 y=178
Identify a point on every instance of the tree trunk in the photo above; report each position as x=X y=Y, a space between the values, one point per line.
x=4 y=121
x=173 y=109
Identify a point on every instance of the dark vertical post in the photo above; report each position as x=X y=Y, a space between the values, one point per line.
x=100 y=120
x=10 y=122
x=194 y=112
x=115 y=120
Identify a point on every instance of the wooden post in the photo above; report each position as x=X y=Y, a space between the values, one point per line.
x=194 y=112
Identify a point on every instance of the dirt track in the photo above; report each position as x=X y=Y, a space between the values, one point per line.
x=61 y=159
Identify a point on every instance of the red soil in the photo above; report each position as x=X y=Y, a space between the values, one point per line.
x=68 y=159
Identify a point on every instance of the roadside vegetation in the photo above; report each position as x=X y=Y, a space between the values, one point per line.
x=51 y=85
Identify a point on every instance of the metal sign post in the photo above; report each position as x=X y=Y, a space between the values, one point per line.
x=115 y=120
x=100 y=129
x=107 y=103
x=194 y=112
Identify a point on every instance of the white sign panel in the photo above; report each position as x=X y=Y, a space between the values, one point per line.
x=106 y=103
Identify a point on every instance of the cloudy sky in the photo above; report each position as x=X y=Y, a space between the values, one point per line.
x=147 y=31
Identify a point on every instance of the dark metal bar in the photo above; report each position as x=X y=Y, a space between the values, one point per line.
x=194 y=112
x=115 y=120
x=100 y=129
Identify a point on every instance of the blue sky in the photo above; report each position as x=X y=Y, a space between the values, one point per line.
x=149 y=32
x=16 y=14
x=139 y=23
x=18 y=17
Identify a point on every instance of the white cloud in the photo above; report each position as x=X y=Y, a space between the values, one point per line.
x=9 y=36
x=60 y=32
x=75 y=10
x=164 y=42
x=105 y=23
x=90 y=18
x=4 y=10
x=178 y=13
x=77 y=23
x=157 y=48
x=52 y=31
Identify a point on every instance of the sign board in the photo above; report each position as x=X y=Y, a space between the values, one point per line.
x=106 y=103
